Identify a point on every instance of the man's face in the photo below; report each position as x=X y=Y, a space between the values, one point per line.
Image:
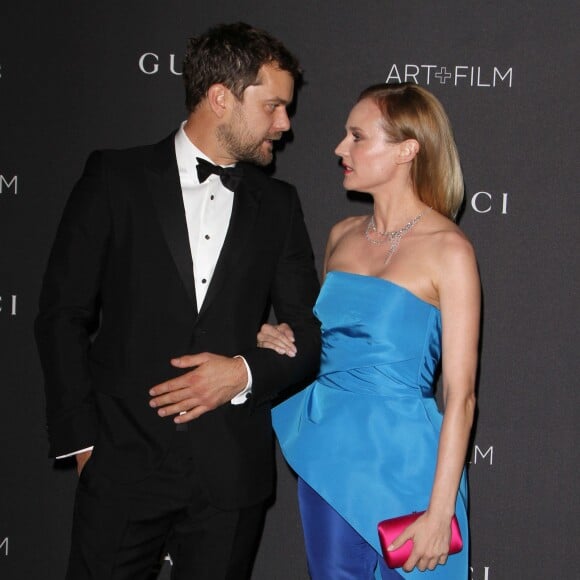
x=259 y=118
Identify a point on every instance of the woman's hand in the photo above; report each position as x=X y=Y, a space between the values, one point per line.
x=431 y=537
x=278 y=337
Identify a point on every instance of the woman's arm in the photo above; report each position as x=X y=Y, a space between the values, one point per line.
x=458 y=286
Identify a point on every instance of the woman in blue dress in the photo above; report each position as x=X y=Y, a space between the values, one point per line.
x=401 y=295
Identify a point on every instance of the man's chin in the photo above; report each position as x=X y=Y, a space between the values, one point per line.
x=262 y=155
x=265 y=160
x=261 y=158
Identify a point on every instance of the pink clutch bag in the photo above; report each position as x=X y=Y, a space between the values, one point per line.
x=389 y=530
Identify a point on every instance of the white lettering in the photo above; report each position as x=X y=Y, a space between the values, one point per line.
x=4 y=546
x=152 y=57
x=411 y=75
x=496 y=74
x=479 y=83
x=482 y=206
x=504 y=204
x=474 y=199
x=477 y=451
x=443 y=75
x=172 y=65
x=474 y=76
x=485 y=574
x=8 y=184
x=394 y=76
x=428 y=67
x=458 y=74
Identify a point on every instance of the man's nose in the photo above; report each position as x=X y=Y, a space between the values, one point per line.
x=282 y=121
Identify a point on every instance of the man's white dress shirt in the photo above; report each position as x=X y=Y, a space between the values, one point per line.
x=208 y=210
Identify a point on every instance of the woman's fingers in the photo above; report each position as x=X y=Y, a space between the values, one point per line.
x=279 y=338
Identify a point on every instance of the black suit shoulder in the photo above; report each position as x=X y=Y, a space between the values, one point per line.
x=155 y=154
x=260 y=178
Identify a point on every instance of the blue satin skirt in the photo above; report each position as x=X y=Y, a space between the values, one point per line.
x=335 y=551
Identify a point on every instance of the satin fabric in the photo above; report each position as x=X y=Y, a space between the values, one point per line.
x=365 y=434
x=335 y=550
x=390 y=530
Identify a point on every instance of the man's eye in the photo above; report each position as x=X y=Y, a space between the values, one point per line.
x=356 y=137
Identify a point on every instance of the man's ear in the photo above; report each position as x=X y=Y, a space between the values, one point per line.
x=408 y=150
x=218 y=98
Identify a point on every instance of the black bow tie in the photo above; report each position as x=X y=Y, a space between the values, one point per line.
x=230 y=176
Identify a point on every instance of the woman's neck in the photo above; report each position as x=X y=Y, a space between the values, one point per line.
x=394 y=209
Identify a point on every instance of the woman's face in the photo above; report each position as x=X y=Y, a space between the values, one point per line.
x=368 y=158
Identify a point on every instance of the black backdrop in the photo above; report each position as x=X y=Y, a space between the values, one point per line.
x=76 y=76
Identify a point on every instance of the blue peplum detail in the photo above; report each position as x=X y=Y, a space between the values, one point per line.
x=365 y=434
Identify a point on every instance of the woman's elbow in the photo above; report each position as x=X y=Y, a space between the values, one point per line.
x=469 y=406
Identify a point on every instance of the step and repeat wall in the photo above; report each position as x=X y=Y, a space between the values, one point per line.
x=77 y=76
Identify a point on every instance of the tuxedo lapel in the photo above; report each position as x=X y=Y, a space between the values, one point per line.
x=244 y=212
x=165 y=190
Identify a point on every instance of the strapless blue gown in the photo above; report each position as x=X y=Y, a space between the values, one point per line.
x=365 y=434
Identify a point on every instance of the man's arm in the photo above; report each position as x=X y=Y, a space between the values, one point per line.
x=294 y=293
x=68 y=312
x=216 y=379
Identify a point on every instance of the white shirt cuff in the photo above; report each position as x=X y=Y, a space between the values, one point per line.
x=74 y=452
x=242 y=397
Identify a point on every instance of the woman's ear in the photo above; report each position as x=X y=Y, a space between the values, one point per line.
x=408 y=150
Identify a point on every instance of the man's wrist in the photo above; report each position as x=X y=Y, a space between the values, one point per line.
x=243 y=395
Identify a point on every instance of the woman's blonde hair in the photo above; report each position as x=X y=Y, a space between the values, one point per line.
x=411 y=112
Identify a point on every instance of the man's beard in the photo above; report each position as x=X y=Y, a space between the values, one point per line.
x=241 y=145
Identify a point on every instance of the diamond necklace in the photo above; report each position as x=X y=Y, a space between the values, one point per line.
x=394 y=237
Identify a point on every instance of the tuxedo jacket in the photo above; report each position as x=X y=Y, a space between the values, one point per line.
x=118 y=302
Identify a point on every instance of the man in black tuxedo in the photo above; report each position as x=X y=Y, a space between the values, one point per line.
x=163 y=269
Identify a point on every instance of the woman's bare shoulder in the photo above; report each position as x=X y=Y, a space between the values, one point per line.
x=453 y=242
x=447 y=235
x=346 y=226
x=453 y=258
x=447 y=246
